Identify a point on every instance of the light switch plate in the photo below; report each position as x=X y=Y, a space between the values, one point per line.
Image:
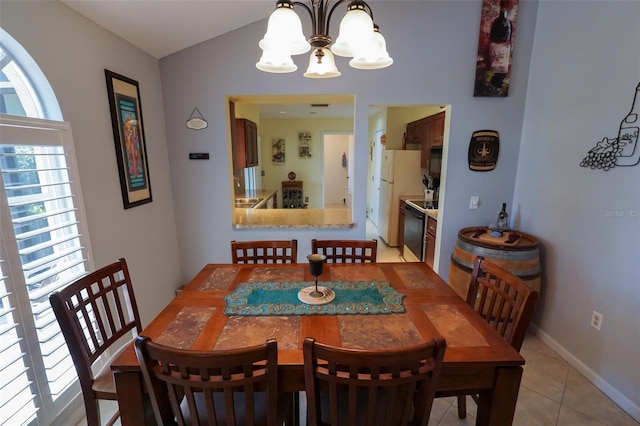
x=475 y=201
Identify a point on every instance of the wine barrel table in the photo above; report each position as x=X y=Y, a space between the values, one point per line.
x=515 y=251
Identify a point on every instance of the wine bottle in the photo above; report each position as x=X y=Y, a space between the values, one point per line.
x=628 y=135
x=500 y=45
x=503 y=218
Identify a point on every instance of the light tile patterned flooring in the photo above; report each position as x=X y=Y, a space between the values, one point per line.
x=552 y=393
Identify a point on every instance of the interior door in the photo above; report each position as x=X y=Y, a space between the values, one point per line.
x=335 y=174
x=374 y=202
x=350 y=168
x=386 y=194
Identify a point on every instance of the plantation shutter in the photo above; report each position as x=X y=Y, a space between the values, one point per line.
x=44 y=248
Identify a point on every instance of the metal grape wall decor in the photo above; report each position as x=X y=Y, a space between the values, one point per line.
x=622 y=151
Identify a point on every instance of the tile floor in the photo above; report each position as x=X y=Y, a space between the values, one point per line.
x=551 y=392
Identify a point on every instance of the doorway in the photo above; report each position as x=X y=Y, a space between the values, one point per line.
x=376 y=149
x=337 y=149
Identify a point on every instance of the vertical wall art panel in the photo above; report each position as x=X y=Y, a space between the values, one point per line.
x=277 y=151
x=495 y=47
x=128 y=135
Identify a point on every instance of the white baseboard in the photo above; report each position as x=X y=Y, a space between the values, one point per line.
x=614 y=394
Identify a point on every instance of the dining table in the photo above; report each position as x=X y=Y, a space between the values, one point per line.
x=376 y=306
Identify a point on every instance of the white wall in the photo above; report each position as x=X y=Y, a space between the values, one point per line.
x=584 y=71
x=427 y=72
x=438 y=69
x=308 y=170
x=73 y=53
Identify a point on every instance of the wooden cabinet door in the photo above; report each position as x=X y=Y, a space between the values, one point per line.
x=429 y=250
x=251 y=143
x=438 y=129
x=430 y=241
x=246 y=147
x=427 y=140
x=401 y=227
x=414 y=135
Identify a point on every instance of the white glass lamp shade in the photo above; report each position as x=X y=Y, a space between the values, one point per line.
x=356 y=34
x=376 y=59
x=272 y=61
x=284 y=33
x=325 y=68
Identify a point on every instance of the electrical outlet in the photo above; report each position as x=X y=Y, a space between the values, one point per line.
x=596 y=320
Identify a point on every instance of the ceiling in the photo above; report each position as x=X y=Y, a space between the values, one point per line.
x=164 y=27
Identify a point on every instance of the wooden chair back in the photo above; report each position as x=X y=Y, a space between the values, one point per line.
x=502 y=299
x=346 y=251
x=228 y=387
x=505 y=302
x=371 y=387
x=94 y=314
x=268 y=251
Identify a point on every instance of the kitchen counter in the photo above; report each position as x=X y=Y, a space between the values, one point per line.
x=265 y=194
x=292 y=218
x=429 y=212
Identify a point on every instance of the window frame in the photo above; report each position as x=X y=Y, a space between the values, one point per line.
x=48 y=408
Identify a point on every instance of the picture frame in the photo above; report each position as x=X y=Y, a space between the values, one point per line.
x=498 y=24
x=129 y=139
x=278 y=151
x=304 y=145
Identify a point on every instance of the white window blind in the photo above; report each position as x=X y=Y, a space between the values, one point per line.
x=44 y=247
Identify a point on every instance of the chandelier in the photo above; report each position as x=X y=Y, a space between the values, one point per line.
x=359 y=38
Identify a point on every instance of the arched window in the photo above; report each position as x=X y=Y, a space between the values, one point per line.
x=44 y=243
x=24 y=90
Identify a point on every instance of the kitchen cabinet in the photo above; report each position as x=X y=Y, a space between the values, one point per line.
x=438 y=130
x=401 y=216
x=427 y=141
x=430 y=241
x=246 y=146
x=415 y=132
x=292 y=194
x=428 y=132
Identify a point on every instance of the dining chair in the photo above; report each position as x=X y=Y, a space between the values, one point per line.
x=505 y=302
x=371 y=387
x=346 y=251
x=225 y=387
x=96 y=313
x=267 y=251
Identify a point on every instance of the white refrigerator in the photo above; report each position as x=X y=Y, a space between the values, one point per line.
x=400 y=175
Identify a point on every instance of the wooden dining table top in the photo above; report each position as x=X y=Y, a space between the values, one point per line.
x=476 y=359
x=195 y=318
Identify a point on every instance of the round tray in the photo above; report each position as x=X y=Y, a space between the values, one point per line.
x=305 y=295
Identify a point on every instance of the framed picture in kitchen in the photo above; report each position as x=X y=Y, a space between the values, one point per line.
x=495 y=47
x=128 y=135
x=277 y=151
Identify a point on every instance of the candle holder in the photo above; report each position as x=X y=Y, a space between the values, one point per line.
x=316 y=295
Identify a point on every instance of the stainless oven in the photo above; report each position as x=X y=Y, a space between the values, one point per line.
x=414 y=221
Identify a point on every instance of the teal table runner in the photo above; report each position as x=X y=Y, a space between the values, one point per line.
x=281 y=298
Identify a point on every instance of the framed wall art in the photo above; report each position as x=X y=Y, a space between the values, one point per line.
x=277 y=151
x=495 y=47
x=304 y=144
x=128 y=135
